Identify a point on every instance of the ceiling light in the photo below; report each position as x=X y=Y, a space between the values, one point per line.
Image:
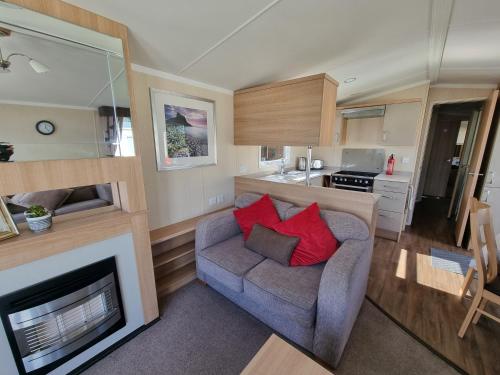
x=37 y=66
x=349 y=80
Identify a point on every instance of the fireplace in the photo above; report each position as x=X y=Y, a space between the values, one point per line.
x=51 y=322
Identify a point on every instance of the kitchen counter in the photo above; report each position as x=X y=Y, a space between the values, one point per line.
x=395 y=177
x=292 y=176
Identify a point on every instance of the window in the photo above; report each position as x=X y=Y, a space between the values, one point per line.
x=126 y=140
x=270 y=155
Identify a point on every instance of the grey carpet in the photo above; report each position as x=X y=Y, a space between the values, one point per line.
x=450 y=261
x=201 y=332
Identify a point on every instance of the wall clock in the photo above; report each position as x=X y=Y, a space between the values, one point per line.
x=45 y=127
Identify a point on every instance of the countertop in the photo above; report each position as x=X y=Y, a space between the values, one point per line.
x=292 y=176
x=395 y=177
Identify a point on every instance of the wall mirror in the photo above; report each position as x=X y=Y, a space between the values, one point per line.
x=64 y=90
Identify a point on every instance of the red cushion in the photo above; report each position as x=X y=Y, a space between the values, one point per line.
x=317 y=242
x=261 y=212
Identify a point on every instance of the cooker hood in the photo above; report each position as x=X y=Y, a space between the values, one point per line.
x=364 y=112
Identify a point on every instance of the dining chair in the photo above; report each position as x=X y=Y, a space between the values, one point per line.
x=473 y=267
x=488 y=285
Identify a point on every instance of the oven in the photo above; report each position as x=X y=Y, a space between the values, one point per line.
x=364 y=189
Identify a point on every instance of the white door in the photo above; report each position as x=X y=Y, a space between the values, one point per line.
x=491 y=196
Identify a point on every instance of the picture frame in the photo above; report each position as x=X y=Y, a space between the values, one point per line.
x=184 y=130
x=8 y=227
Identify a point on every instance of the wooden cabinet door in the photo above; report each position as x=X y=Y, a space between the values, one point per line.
x=400 y=124
x=475 y=164
x=339 y=130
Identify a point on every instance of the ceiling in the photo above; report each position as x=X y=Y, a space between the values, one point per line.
x=78 y=75
x=384 y=44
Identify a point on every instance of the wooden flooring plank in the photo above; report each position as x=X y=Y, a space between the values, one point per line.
x=425 y=299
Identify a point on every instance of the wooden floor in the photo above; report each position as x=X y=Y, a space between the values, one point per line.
x=424 y=299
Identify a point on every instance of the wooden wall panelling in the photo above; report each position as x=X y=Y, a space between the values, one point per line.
x=145 y=267
x=363 y=205
x=297 y=112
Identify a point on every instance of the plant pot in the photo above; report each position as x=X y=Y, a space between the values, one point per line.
x=39 y=224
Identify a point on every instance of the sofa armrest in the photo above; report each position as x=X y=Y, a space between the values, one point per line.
x=215 y=228
x=341 y=293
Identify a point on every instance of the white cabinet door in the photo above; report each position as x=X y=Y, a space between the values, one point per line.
x=400 y=124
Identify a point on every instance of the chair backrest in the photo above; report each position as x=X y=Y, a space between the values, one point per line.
x=481 y=222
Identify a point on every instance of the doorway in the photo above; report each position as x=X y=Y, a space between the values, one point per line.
x=452 y=133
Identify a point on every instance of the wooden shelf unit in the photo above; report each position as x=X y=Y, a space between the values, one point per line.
x=173 y=254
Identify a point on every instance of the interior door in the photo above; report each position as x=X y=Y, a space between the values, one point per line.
x=465 y=155
x=475 y=165
x=441 y=155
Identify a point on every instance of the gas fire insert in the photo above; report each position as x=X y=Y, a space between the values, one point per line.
x=51 y=322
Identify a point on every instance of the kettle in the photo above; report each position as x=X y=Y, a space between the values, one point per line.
x=301 y=163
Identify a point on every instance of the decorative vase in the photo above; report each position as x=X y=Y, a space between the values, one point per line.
x=39 y=224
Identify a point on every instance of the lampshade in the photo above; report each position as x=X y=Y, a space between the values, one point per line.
x=38 y=66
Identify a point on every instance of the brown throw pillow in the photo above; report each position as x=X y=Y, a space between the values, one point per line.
x=82 y=193
x=50 y=199
x=271 y=244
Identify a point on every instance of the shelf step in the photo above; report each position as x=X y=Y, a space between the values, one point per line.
x=173 y=254
x=174 y=230
x=172 y=243
x=175 y=280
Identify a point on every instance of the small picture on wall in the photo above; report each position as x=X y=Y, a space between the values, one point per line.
x=8 y=228
x=184 y=130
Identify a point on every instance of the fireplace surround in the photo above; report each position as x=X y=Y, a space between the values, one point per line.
x=49 y=323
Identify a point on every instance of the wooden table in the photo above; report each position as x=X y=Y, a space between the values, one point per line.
x=277 y=357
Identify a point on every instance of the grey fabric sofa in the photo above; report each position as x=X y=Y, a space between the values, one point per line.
x=314 y=306
x=94 y=196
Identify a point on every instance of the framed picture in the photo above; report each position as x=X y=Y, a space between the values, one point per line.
x=8 y=228
x=184 y=130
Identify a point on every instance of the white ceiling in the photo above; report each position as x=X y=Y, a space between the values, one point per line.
x=384 y=43
x=78 y=75
x=472 y=51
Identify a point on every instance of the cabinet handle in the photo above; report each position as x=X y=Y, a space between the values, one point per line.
x=383 y=215
x=387 y=196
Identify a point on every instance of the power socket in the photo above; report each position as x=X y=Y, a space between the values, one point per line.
x=219 y=198
x=212 y=201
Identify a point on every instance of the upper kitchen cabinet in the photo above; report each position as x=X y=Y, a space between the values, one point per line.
x=400 y=124
x=298 y=112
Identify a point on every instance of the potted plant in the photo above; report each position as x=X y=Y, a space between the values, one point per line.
x=39 y=218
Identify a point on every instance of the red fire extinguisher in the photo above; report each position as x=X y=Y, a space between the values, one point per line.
x=390 y=164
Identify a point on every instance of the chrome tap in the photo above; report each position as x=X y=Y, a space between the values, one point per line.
x=282 y=167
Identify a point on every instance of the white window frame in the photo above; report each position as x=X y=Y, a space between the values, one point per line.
x=268 y=163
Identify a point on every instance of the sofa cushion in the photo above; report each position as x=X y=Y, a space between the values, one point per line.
x=82 y=193
x=105 y=192
x=49 y=199
x=81 y=206
x=271 y=244
x=260 y=212
x=344 y=226
x=317 y=242
x=228 y=262
x=247 y=199
x=290 y=291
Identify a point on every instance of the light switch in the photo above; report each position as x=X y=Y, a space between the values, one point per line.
x=406 y=160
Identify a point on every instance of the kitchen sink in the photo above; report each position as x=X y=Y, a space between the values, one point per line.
x=291 y=176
